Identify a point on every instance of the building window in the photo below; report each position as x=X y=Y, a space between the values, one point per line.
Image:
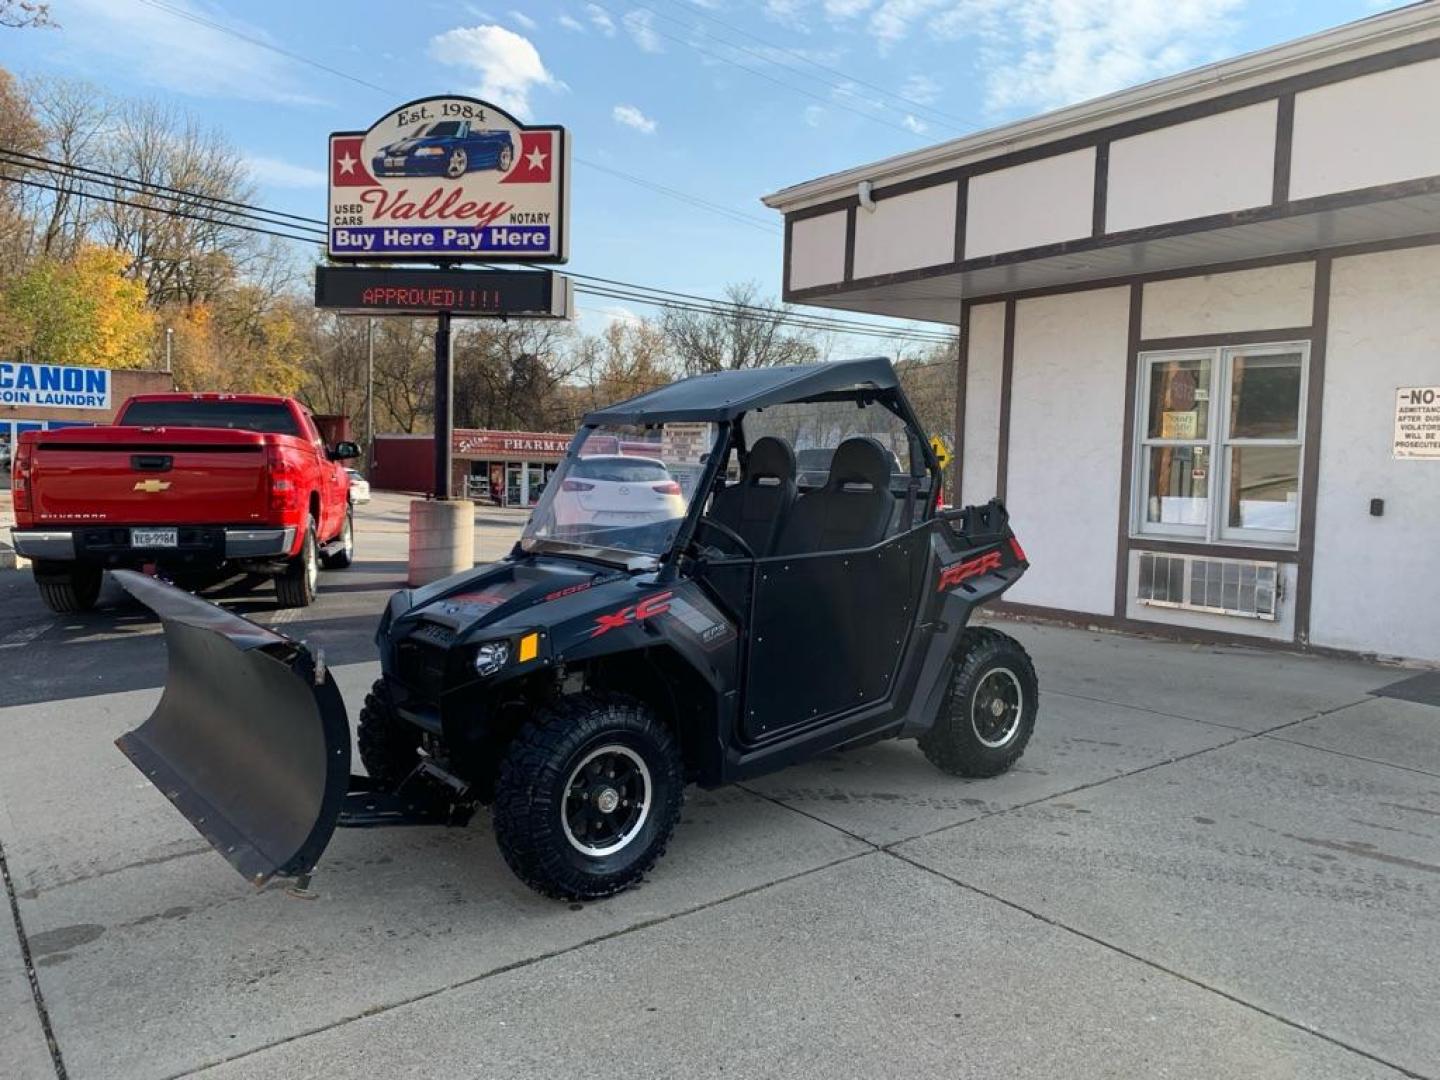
x=1221 y=436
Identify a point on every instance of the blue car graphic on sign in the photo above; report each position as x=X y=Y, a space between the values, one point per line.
x=448 y=148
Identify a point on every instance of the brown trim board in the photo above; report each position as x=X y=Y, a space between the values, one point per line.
x=1284 y=141
x=1210 y=341
x=1127 y=452
x=1007 y=376
x=1212 y=551
x=1310 y=465
x=1101 y=193
x=849 y=270
x=962 y=376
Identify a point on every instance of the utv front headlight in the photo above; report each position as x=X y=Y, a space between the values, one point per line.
x=491 y=657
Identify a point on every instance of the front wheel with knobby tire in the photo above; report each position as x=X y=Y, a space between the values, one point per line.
x=587 y=797
x=988 y=714
x=69 y=588
x=344 y=553
x=297 y=585
x=389 y=746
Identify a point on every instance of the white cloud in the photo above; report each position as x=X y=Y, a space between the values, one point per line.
x=1042 y=54
x=169 y=50
x=641 y=25
x=814 y=115
x=921 y=89
x=519 y=18
x=286 y=174
x=569 y=22
x=630 y=116
x=910 y=123
x=847 y=9
x=600 y=19
x=890 y=23
x=508 y=64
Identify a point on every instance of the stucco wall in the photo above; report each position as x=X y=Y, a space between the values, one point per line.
x=1376 y=585
x=1040 y=202
x=1206 y=166
x=984 y=362
x=817 y=250
x=1067 y=405
x=905 y=232
x=1373 y=130
x=1270 y=298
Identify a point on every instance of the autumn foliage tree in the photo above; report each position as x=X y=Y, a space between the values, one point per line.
x=81 y=311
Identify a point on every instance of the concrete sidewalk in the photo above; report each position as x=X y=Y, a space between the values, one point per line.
x=1210 y=862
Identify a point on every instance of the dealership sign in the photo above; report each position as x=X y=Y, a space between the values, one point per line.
x=54 y=386
x=449 y=178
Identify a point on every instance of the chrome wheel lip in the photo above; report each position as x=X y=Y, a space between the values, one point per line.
x=455 y=167
x=312 y=567
x=1016 y=711
x=647 y=787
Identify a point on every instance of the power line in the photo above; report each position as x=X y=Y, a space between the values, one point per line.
x=260 y=43
x=313 y=231
x=318 y=226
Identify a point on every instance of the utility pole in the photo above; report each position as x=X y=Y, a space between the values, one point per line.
x=169 y=337
x=444 y=405
x=370 y=391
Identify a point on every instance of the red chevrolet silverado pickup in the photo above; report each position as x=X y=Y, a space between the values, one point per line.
x=186 y=483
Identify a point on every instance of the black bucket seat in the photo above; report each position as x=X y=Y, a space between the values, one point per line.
x=759 y=505
x=854 y=508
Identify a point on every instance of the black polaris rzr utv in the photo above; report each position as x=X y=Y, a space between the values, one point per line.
x=676 y=612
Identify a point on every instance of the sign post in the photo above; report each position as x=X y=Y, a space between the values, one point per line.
x=445 y=180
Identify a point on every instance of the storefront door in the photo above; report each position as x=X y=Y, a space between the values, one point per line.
x=514 y=483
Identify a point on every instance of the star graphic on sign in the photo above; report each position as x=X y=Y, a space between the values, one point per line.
x=536 y=158
x=347 y=163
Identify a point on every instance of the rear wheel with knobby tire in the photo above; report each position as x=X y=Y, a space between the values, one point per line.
x=588 y=795
x=988 y=714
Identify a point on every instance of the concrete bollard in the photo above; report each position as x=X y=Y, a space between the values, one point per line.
x=442 y=539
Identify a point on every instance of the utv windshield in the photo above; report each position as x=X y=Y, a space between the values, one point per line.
x=625 y=494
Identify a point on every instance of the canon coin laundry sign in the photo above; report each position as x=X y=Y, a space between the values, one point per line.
x=449 y=178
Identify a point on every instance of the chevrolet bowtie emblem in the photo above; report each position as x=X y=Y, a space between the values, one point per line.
x=151 y=486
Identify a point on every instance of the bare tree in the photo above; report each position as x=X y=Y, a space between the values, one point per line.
x=22 y=14
x=749 y=331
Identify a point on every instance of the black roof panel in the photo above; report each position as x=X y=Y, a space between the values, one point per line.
x=724 y=395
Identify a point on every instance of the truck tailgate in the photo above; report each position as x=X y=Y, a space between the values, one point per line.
x=150 y=476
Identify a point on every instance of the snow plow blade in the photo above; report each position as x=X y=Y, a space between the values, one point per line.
x=250 y=739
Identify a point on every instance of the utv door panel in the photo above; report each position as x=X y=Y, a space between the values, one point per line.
x=828 y=634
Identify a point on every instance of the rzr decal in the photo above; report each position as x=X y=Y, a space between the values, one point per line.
x=569 y=590
x=637 y=613
x=954 y=574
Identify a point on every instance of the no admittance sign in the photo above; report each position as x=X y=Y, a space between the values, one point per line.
x=1417 y=422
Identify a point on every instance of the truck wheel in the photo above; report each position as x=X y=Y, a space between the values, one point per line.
x=296 y=586
x=588 y=794
x=69 y=588
x=989 y=713
x=389 y=747
x=344 y=555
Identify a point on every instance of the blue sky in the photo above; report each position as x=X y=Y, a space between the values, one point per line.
x=656 y=89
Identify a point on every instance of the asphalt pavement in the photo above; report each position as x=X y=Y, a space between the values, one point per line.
x=1210 y=862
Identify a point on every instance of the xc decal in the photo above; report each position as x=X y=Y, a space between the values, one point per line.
x=637 y=613
x=952 y=575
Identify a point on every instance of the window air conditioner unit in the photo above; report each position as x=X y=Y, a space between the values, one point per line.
x=1240 y=587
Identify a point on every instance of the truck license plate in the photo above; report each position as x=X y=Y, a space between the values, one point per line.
x=154 y=538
